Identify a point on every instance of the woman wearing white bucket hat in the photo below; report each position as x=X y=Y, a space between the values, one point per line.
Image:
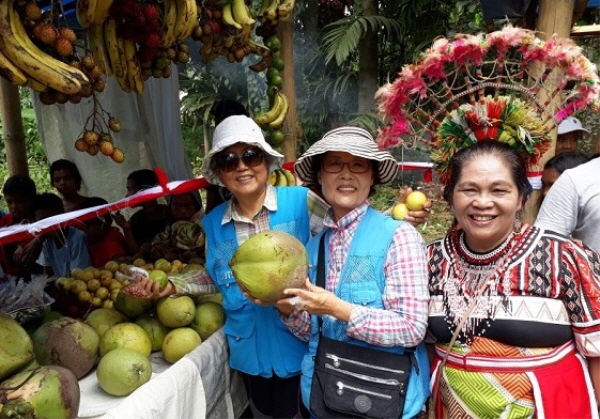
x=365 y=251
x=267 y=354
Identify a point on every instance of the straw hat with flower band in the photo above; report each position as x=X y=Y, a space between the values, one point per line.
x=352 y=140
x=507 y=86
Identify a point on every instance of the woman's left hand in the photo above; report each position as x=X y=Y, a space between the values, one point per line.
x=317 y=300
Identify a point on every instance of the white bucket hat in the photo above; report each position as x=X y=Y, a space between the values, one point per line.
x=571 y=124
x=238 y=129
x=352 y=140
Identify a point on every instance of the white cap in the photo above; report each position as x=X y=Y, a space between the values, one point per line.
x=571 y=124
x=238 y=129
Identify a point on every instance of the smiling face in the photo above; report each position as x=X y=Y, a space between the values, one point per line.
x=345 y=190
x=245 y=181
x=486 y=201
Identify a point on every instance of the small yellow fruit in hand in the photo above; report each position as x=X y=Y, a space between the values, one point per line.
x=415 y=201
x=399 y=211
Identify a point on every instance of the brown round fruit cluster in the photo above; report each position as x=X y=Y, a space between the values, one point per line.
x=97 y=78
x=160 y=65
x=94 y=141
x=45 y=31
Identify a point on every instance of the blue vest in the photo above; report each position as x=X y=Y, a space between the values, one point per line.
x=362 y=281
x=259 y=342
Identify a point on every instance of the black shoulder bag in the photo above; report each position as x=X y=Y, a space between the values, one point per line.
x=352 y=381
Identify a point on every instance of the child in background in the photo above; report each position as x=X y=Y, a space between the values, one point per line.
x=183 y=238
x=106 y=242
x=150 y=220
x=18 y=259
x=63 y=249
x=65 y=177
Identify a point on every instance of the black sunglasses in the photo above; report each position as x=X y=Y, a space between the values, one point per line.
x=228 y=162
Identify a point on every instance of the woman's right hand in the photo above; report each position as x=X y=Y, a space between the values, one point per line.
x=153 y=288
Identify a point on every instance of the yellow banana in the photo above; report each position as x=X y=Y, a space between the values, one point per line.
x=134 y=71
x=281 y=179
x=276 y=123
x=124 y=82
x=37 y=86
x=111 y=40
x=272 y=178
x=86 y=11
x=169 y=23
x=102 y=7
x=270 y=115
x=228 y=17
x=241 y=13
x=98 y=47
x=187 y=19
x=11 y=72
x=284 y=10
x=289 y=176
x=24 y=54
x=271 y=12
x=264 y=5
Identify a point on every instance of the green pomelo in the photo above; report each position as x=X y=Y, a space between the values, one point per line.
x=16 y=348
x=68 y=343
x=180 y=342
x=268 y=263
x=209 y=318
x=103 y=319
x=192 y=267
x=132 y=300
x=122 y=370
x=53 y=392
x=126 y=335
x=217 y=298
x=176 y=311
x=154 y=328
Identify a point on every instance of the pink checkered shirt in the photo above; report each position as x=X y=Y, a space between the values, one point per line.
x=403 y=321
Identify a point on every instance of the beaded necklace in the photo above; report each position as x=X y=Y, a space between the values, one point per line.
x=475 y=276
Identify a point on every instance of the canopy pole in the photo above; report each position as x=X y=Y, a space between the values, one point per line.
x=12 y=129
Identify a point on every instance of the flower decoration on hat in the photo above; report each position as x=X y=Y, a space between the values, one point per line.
x=507 y=85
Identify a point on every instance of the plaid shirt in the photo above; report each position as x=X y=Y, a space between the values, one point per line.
x=245 y=228
x=403 y=321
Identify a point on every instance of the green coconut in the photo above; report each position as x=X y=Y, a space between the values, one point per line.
x=268 y=263
x=45 y=392
x=16 y=348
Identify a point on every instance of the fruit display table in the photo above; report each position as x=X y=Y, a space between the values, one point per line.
x=199 y=385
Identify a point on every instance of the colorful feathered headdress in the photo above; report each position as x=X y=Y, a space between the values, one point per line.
x=507 y=85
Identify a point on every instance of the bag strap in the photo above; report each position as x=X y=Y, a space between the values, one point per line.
x=321 y=273
x=463 y=320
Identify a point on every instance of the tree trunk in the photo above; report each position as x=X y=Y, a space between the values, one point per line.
x=554 y=18
x=290 y=126
x=12 y=129
x=367 y=63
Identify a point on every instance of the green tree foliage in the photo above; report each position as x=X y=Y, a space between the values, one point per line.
x=36 y=155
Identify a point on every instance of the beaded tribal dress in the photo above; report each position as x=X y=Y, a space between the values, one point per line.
x=538 y=298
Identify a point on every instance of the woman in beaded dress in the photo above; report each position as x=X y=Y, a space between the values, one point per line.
x=531 y=298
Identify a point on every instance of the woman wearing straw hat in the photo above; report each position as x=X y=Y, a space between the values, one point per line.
x=364 y=251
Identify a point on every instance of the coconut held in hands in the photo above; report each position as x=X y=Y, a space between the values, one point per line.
x=269 y=262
